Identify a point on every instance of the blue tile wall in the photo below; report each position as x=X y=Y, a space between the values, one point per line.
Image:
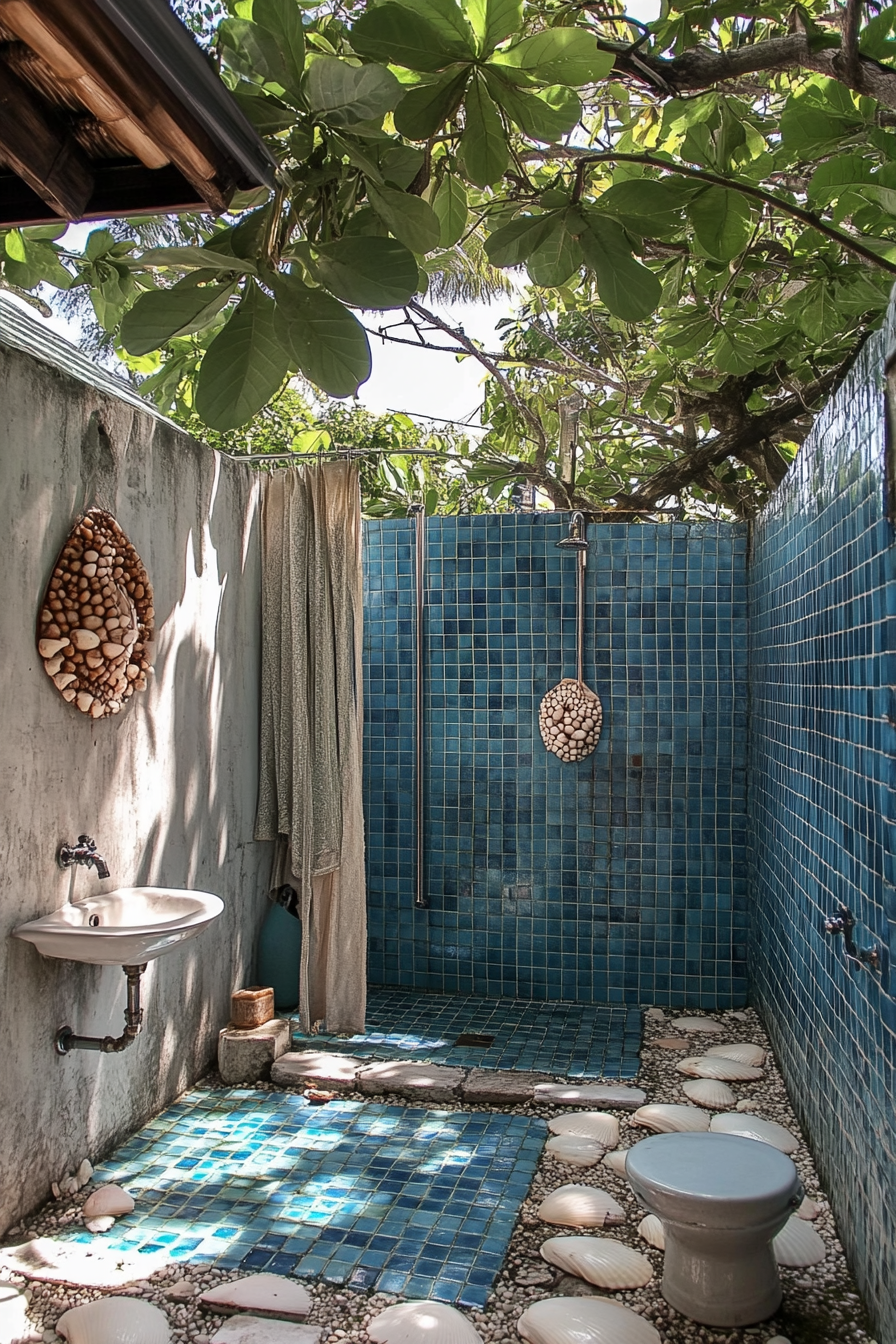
x=823 y=736
x=618 y=879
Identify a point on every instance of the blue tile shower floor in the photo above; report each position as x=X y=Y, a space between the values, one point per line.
x=577 y=1040
x=420 y=1202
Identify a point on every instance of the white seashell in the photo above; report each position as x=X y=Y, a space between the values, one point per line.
x=747 y=1104
x=259 y=1295
x=695 y=1024
x=616 y=1161
x=576 y=1094
x=714 y=1066
x=580 y=1206
x=599 y=1260
x=657 y=1014
x=671 y=1119
x=593 y=1125
x=114 y=1320
x=101 y=1224
x=808 y=1210
x=84 y=1173
x=584 y=1320
x=744 y=1052
x=412 y=1322
x=574 y=1150
x=109 y=1199
x=709 y=1092
x=653 y=1232
x=751 y=1127
x=56 y=1192
x=69 y=1185
x=798 y=1244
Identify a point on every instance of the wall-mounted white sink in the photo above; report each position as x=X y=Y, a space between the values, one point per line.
x=122 y=928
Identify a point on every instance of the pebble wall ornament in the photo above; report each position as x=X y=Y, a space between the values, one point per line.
x=570 y=719
x=96 y=618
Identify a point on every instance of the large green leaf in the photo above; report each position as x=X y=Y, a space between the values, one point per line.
x=558 y=56
x=344 y=94
x=257 y=53
x=244 y=366
x=816 y=311
x=190 y=259
x=283 y=20
x=403 y=37
x=483 y=145
x=450 y=205
x=557 y=258
x=653 y=207
x=629 y=290
x=425 y=108
x=323 y=339
x=835 y=176
x=547 y=116
x=38 y=263
x=399 y=164
x=160 y=314
x=516 y=241
x=493 y=20
x=722 y=220
x=267 y=114
x=449 y=21
x=367 y=272
x=413 y=222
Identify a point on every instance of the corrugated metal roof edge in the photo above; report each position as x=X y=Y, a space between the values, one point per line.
x=20 y=331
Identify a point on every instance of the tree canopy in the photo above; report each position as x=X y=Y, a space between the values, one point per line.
x=702 y=210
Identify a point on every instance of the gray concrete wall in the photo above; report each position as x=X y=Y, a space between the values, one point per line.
x=167 y=788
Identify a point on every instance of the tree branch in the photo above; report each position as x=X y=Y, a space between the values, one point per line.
x=848 y=56
x=806 y=217
x=491 y=365
x=675 y=476
x=701 y=68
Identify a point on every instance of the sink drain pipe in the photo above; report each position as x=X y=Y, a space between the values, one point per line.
x=66 y=1040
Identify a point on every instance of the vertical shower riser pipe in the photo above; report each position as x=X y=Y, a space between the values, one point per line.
x=580 y=616
x=420 y=900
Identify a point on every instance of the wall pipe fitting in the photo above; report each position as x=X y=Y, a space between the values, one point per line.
x=66 y=1040
x=842 y=924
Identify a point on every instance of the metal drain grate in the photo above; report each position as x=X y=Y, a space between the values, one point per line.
x=474 y=1038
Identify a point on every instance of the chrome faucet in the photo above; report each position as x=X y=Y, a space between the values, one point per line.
x=83 y=852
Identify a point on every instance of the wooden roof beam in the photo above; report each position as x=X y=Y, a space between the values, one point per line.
x=84 y=49
x=41 y=151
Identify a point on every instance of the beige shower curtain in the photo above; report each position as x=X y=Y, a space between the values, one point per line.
x=311 y=723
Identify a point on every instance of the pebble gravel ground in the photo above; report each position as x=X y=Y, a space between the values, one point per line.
x=821 y=1304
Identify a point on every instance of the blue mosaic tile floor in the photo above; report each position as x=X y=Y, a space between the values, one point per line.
x=577 y=1040
x=420 y=1202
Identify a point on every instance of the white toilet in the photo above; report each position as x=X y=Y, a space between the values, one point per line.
x=721 y=1200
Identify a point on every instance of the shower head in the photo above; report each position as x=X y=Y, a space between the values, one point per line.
x=575 y=541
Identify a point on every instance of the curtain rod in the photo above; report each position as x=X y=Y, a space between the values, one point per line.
x=330 y=455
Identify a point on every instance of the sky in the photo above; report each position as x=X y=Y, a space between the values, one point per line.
x=418 y=382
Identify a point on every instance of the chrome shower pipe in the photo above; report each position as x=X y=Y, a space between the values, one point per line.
x=580 y=615
x=419 y=512
x=578 y=542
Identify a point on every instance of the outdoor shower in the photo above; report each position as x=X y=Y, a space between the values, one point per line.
x=570 y=715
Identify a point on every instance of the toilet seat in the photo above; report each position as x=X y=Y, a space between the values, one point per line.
x=711 y=1180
